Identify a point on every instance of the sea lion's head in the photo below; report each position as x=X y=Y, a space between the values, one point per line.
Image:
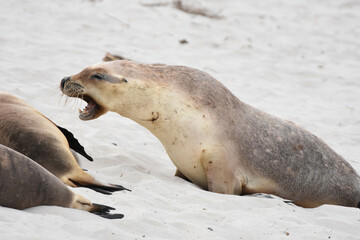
x=97 y=85
x=141 y=92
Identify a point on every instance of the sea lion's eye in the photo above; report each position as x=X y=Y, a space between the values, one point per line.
x=98 y=76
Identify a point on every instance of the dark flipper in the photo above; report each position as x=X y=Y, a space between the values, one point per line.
x=103 y=211
x=99 y=190
x=108 y=190
x=99 y=208
x=74 y=143
x=110 y=215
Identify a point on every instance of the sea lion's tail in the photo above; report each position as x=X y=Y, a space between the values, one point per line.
x=83 y=179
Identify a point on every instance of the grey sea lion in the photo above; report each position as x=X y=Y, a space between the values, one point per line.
x=25 y=184
x=27 y=131
x=215 y=140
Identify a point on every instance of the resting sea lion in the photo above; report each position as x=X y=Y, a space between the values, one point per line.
x=215 y=140
x=25 y=184
x=27 y=131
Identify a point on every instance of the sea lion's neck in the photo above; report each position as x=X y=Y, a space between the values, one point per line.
x=162 y=112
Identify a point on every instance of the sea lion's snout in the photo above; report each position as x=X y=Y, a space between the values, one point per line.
x=73 y=87
x=63 y=81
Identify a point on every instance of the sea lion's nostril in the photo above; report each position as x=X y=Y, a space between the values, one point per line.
x=63 y=81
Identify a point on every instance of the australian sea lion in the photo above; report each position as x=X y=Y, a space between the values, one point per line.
x=27 y=131
x=214 y=139
x=25 y=184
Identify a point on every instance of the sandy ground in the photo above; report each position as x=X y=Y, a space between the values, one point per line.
x=298 y=60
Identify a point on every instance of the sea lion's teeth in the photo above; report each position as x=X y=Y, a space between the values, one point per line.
x=84 y=111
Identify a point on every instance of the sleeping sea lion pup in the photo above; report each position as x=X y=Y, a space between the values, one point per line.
x=215 y=140
x=24 y=129
x=25 y=184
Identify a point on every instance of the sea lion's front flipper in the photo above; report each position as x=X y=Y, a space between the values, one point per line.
x=74 y=143
x=220 y=176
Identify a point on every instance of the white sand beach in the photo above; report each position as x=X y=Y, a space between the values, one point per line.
x=298 y=60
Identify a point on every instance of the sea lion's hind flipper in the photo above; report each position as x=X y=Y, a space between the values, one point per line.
x=110 y=215
x=98 y=187
x=100 y=190
x=118 y=187
x=74 y=143
x=108 y=190
x=103 y=211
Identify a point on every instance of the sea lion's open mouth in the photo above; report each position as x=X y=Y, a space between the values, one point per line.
x=90 y=110
x=74 y=90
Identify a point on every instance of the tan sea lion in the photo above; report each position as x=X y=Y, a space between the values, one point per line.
x=25 y=184
x=27 y=131
x=215 y=140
